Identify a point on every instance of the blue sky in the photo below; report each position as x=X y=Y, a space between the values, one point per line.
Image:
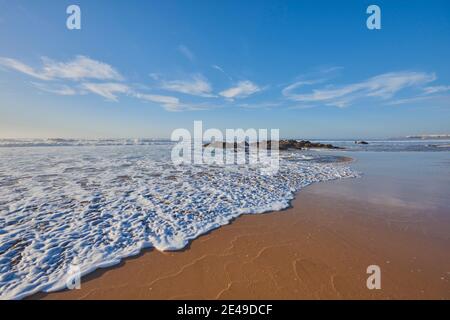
x=144 y=68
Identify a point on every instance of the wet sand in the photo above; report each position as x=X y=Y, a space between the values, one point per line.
x=318 y=249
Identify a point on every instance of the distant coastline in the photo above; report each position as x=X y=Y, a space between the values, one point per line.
x=429 y=136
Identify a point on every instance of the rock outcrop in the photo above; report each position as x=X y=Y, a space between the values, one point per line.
x=283 y=145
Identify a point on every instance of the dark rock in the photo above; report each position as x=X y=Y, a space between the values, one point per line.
x=283 y=145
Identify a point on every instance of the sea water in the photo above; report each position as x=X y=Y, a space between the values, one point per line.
x=90 y=203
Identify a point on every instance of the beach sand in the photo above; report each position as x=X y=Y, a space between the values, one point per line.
x=318 y=249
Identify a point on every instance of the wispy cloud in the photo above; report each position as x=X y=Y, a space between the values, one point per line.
x=288 y=90
x=22 y=67
x=110 y=91
x=318 y=75
x=383 y=86
x=59 y=89
x=430 y=99
x=300 y=107
x=173 y=104
x=107 y=90
x=77 y=69
x=185 y=51
x=190 y=107
x=214 y=66
x=436 y=89
x=261 y=105
x=409 y=100
x=80 y=68
x=197 y=85
x=241 y=90
x=166 y=100
x=83 y=75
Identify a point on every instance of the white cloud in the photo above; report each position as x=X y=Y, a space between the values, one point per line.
x=185 y=51
x=172 y=104
x=214 y=66
x=383 y=86
x=60 y=89
x=21 y=67
x=107 y=90
x=321 y=75
x=196 y=86
x=217 y=68
x=428 y=98
x=262 y=105
x=300 y=107
x=80 y=68
x=386 y=85
x=436 y=89
x=190 y=107
x=241 y=90
x=287 y=91
x=157 y=98
x=77 y=69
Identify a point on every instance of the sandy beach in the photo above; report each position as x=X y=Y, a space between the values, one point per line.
x=214 y=151
x=319 y=248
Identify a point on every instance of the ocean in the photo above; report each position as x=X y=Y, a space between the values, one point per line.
x=90 y=203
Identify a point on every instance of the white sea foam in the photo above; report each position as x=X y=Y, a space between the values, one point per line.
x=91 y=206
x=57 y=142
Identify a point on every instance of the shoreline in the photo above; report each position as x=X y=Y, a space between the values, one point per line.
x=113 y=222
x=319 y=248
x=338 y=160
